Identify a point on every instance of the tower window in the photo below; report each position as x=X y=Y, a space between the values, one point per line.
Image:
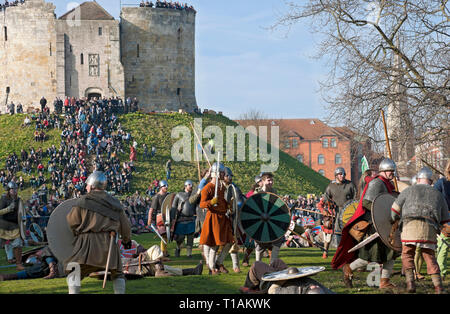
x=82 y=59
x=137 y=50
x=6 y=32
x=178 y=91
x=100 y=31
x=50 y=48
x=180 y=31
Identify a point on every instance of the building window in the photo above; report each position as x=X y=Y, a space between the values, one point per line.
x=82 y=58
x=322 y=172
x=178 y=91
x=179 y=32
x=321 y=160
x=287 y=144
x=137 y=50
x=70 y=48
x=94 y=65
x=300 y=158
x=50 y=48
x=5 y=29
x=100 y=31
x=294 y=143
x=325 y=143
x=333 y=142
x=338 y=159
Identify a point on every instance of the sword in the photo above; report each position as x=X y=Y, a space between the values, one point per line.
x=374 y=236
x=157 y=233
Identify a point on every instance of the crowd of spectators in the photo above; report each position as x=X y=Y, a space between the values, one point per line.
x=168 y=5
x=7 y=4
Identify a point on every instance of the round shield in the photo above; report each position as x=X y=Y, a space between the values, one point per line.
x=59 y=235
x=381 y=217
x=347 y=212
x=265 y=217
x=36 y=233
x=293 y=273
x=22 y=220
x=165 y=211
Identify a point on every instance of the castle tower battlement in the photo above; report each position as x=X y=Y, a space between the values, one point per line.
x=158 y=54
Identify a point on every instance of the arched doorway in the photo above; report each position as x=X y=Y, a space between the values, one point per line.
x=92 y=92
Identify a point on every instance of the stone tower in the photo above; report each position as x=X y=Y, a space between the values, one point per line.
x=158 y=55
x=28 y=53
x=400 y=126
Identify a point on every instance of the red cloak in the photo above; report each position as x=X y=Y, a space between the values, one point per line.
x=342 y=257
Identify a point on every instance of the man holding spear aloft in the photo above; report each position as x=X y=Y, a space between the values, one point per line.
x=217 y=229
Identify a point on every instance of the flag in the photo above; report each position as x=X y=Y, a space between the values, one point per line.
x=364 y=164
x=308 y=221
x=317 y=230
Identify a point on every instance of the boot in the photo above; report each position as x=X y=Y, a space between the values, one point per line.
x=53 y=271
x=119 y=285
x=348 y=276
x=410 y=283
x=177 y=252
x=198 y=270
x=4 y=277
x=74 y=289
x=437 y=282
x=18 y=256
x=189 y=252
x=386 y=284
x=222 y=269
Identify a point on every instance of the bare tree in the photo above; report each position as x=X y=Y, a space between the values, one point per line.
x=382 y=53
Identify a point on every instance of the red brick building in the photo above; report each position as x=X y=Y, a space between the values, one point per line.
x=317 y=145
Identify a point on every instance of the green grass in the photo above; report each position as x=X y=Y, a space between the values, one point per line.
x=206 y=284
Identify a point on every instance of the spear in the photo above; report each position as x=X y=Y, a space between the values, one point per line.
x=388 y=146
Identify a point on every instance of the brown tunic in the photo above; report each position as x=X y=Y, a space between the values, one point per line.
x=92 y=238
x=216 y=228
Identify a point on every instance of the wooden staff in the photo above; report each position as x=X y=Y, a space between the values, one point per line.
x=198 y=165
x=312 y=211
x=435 y=170
x=111 y=242
x=388 y=145
x=198 y=139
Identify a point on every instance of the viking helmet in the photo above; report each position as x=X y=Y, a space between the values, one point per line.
x=97 y=180
x=387 y=165
x=257 y=179
x=339 y=170
x=425 y=173
x=214 y=168
x=188 y=182
x=228 y=172
x=12 y=186
x=413 y=180
x=163 y=183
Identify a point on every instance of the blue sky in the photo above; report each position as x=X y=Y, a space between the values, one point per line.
x=241 y=65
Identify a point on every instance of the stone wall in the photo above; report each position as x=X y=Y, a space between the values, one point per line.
x=91 y=46
x=158 y=54
x=28 y=54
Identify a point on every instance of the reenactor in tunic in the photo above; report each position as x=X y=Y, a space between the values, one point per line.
x=375 y=251
x=422 y=210
x=185 y=219
x=339 y=192
x=94 y=219
x=217 y=230
x=155 y=210
x=9 y=224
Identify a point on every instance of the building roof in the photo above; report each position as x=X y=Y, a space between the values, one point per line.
x=306 y=129
x=90 y=11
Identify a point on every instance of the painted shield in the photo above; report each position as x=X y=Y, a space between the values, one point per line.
x=165 y=211
x=293 y=273
x=59 y=235
x=347 y=212
x=381 y=217
x=36 y=233
x=22 y=219
x=265 y=217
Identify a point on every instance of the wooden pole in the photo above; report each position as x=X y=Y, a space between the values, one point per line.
x=432 y=168
x=198 y=139
x=388 y=146
x=198 y=164
x=111 y=241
